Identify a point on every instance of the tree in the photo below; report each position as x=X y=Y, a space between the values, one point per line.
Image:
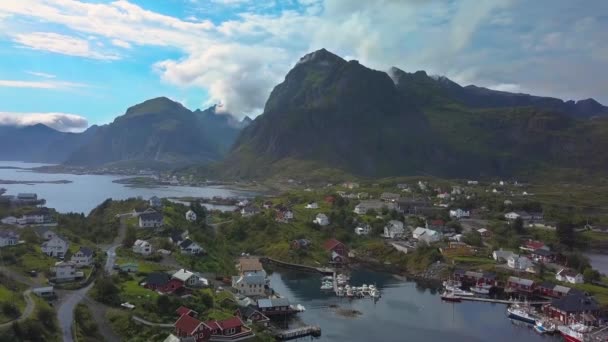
x=47 y=317
x=106 y=291
x=9 y=309
x=518 y=225
x=565 y=234
x=130 y=237
x=163 y=303
x=591 y=275
x=473 y=238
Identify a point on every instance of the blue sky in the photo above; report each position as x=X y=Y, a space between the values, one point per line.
x=72 y=63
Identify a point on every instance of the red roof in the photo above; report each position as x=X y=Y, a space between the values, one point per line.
x=330 y=199
x=437 y=223
x=233 y=322
x=331 y=244
x=534 y=244
x=188 y=324
x=182 y=310
x=212 y=325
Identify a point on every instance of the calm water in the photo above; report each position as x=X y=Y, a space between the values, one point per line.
x=598 y=262
x=87 y=191
x=406 y=312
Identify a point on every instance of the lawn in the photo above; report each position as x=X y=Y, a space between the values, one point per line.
x=600 y=293
x=8 y=296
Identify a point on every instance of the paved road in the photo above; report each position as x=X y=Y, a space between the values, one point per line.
x=65 y=310
x=27 y=312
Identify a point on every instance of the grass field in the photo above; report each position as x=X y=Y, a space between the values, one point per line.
x=8 y=296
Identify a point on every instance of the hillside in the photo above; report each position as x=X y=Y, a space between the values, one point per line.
x=339 y=116
x=158 y=132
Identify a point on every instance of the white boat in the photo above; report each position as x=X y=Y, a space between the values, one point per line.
x=462 y=293
x=452 y=285
x=300 y=308
x=521 y=313
x=480 y=290
x=575 y=332
x=327 y=286
x=328 y=278
x=544 y=327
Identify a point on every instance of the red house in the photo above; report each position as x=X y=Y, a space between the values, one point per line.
x=542 y=255
x=574 y=308
x=532 y=245
x=330 y=199
x=333 y=245
x=162 y=282
x=251 y=315
x=520 y=285
x=228 y=329
x=188 y=326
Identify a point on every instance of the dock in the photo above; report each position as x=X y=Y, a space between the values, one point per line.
x=501 y=301
x=298 y=267
x=289 y=334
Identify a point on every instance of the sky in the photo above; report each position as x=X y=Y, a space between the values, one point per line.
x=70 y=64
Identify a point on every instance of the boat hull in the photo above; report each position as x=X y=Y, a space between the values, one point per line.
x=522 y=319
x=450 y=299
x=569 y=338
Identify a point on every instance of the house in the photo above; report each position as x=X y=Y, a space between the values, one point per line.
x=329 y=200
x=300 y=244
x=39 y=216
x=190 y=247
x=426 y=235
x=45 y=233
x=163 y=283
x=336 y=258
x=251 y=315
x=312 y=205
x=569 y=276
x=389 y=197
x=55 y=247
x=83 y=257
x=231 y=329
x=394 y=229
x=8 y=238
x=502 y=256
x=9 y=220
x=350 y=185
x=333 y=245
x=249 y=265
x=364 y=206
x=274 y=306
x=129 y=267
x=363 y=229
x=155 y=202
x=250 y=284
x=47 y=292
x=574 y=308
x=515 y=284
x=512 y=216
x=150 y=220
x=520 y=263
x=65 y=271
x=321 y=219
x=549 y=289
x=542 y=255
x=484 y=233
x=475 y=278
x=533 y=245
x=459 y=213
x=190 y=216
x=403 y=246
x=177 y=237
x=142 y=247
x=249 y=211
x=190 y=279
x=284 y=216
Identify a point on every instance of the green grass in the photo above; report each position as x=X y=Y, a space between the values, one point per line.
x=8 y=296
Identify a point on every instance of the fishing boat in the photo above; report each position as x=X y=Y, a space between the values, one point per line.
x=450 y=297
x=575 y=332
x=462 y=293
x=327 y=285
x=328 y=278
x=544 y=327
x=451 y=285
x=480 y=290
x=521 y=313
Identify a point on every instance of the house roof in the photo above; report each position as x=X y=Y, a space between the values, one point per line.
x=273 y=302
x=531 y=244
x=250 y=264
x=183 y=275
x=187 y=324
x=7 y=234
x=249 y=311
x=567 y=273
x=232 y=322
x=547 y=285
x=521 y=281
x=575 y=303
x=331 y=244
x=182 y=310
x=561 y=289
x=252 y=279
x=151 y=216
x=186 y=243
x=86 y=251
x=157 y=278
x=542 y=252
x=176 y=237
x=140 y=243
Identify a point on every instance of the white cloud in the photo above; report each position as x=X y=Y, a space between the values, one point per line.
x=59 y=43
x=121 y=43
x=509 y=87
x=59 y=121
x=40 y=74
x=41 y=84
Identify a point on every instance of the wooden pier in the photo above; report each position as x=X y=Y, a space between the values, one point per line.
x=304 y=268
x=309 y=330
x=501 y=301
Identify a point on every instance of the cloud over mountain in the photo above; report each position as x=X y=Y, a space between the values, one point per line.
x=60 y=121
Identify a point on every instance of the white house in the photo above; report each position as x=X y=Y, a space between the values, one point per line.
x=190 y=216
x=142 y=247
x=55 y=247
x=502 y=256
x=150 y=220
x=8 y=238
x=363 y=229
x=46 y=234
x=249 y=210
x=9 y=220
x=155 y=202
x=190 y=279
x=190 y=247
x=512 y=216
x=284 y=216
x=459 y=213
x=364 y=206
x=65 y=271
x=394 y=229
x=321 y=219
x=569 y=276
x=312 y=205
x=426 y=235
x=83 y=257
x=520 y=263
x=250 y=284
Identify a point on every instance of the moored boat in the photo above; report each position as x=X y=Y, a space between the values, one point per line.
x=521 y=313
x=544 y=327
x=480 y=290
x=450 y=297
x=575 y=332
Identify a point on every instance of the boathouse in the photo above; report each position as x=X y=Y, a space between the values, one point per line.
x=471 y=277
x=521 y=285
x=574 y=308
x=274 y=306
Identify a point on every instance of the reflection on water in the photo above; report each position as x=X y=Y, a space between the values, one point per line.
x=87 y=191
x=406 y=312
x=598 y=262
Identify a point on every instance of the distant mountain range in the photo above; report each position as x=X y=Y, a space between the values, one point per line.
x=158 y=132
x=332 y=115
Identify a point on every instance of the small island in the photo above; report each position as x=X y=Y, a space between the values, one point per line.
x=30 y=182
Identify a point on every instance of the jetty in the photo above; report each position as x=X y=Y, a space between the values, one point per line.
x=298 y=267
x=290 y=334
x=501 y=301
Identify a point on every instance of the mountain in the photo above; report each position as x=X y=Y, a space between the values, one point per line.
x=40 y=143
x=159 y=132
x=331 y=115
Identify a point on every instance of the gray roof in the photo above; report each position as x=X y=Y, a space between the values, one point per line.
x=521 y=281
x=86 y=251
x=151 y=216
x=576 y=303
x=273 y=302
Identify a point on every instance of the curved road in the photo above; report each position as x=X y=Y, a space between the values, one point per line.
x=27 y=312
